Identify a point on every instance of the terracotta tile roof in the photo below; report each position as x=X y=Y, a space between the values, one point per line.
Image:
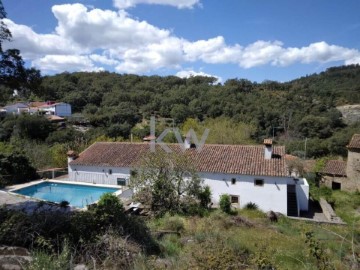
x=236 y=159
x=355 y=142
x=335 y=167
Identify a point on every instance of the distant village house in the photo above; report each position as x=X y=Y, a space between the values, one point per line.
x=60 y=109
x=344 y=175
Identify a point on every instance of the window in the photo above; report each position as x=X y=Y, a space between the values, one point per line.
x=234 y=199
x=336 y=186
x=121 y=181
x=110 y=171
x=233 y=181
x=259 y=182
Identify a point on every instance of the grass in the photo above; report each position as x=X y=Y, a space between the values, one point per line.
x=219 y=241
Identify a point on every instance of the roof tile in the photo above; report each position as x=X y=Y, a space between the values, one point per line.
x=335 y=167
x=355 y=142
x=234 y=159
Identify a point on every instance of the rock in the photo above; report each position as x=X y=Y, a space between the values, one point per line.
x=81 y=267
x=350 y=113
x=13 y=258
x=238 y=220
x=272 y=216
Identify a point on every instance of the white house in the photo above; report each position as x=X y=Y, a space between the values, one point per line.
x=60 y=109
x=255 y=173
x=16 y=108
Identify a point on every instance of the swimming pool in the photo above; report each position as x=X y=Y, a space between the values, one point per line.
x=77 y=195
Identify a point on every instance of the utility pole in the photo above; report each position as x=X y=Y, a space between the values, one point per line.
x=305 y=148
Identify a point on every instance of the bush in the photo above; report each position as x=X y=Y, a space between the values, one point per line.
x=171 y=245
x=174 y=223
x=225 y=203
x=205 y=197
x=251 y=206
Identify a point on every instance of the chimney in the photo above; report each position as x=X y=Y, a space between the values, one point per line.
x=187 y=142
x=268 y=148
x=72 y=155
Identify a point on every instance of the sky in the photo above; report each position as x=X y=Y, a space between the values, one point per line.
x=253 y=39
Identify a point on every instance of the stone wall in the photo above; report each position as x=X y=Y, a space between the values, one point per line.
x=346 y=184
x=328 y=211
x=353 y=168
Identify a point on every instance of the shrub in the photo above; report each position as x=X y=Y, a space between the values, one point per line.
x=64 y=204
x=174 y=223
x=205 y=197
x=109 y=210
x=171 y=245
x=41 y=260
x=225 y=203
x=251 y=206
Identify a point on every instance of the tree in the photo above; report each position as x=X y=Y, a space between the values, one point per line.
x=5 y=34
x=13 y=74
x=225 y=203
x=166 y=182
x=15 y=168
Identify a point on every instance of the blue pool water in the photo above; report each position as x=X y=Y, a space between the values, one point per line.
x=76 y=195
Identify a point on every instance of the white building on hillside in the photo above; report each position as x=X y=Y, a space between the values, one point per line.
x=60 y=109
x=256 y=174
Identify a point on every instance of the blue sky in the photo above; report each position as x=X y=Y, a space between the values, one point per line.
x=254 y=39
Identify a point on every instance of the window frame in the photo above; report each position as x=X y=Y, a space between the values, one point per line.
x=237 y=199
x=259 y=182
x=121 y=179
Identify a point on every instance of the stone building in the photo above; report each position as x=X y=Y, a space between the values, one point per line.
x=344 y=175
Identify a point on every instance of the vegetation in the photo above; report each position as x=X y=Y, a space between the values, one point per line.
x=115 y=106
x=168 y=182
x=225 y=203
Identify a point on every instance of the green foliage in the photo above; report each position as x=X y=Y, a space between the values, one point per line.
x=225 y=203
x=171 y=245
x=64 y=204
x=15 y=168
x=109 y=210
x=318 y=252
x=173 y=223
x=59 y=157
x=25 y=126
x=251 y=206
x=205 y=197
x=161 y=184
x=42 y=260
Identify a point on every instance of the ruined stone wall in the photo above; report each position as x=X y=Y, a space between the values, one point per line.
x=353 y=167
x=346 y=184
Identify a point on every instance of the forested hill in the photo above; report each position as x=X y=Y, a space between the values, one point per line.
x=115 y=104
x=341 y=82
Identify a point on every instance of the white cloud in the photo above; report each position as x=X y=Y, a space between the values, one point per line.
x=33 y=45
x=165 y=54
x=192 y=73
x=61 y=63
x=85 y=39
x=124 y=4
x=104 y=29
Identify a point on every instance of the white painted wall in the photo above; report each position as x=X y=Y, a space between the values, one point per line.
x=63 y=109
x=302 y=192
x=271 y=196
x=98 y=175
x=59 y=109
